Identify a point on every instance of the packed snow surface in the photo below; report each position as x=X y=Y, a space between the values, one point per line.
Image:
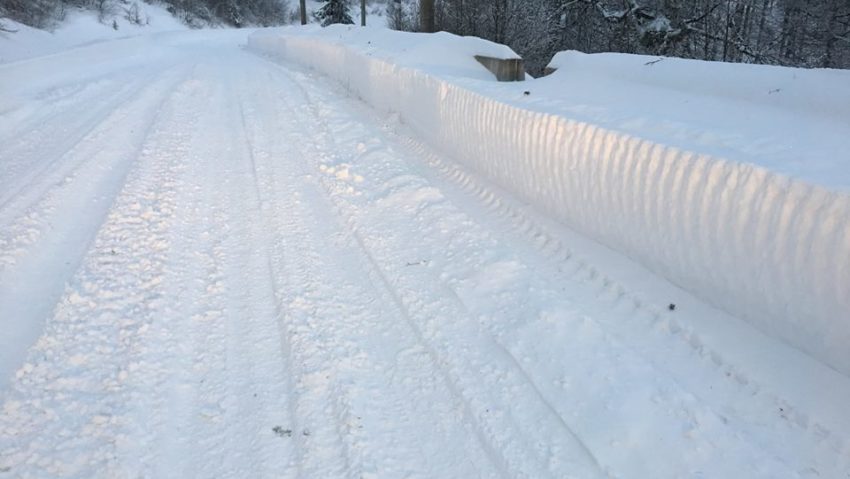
x=213 y=264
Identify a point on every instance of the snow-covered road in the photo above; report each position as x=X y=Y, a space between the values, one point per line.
x=214 y=265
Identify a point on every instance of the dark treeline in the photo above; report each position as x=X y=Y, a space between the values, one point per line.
x=237 y=13
x=805 y=33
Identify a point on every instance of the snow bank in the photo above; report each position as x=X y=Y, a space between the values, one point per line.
x=447 y=56
x=791 y=121
x=768 y=248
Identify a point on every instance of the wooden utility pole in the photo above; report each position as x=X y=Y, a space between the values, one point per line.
x=362 y=13
x=426 y=16
x=303 y=12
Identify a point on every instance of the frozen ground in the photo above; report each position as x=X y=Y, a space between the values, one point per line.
x=216 y=265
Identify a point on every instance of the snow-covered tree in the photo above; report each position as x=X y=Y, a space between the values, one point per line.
x=334 y=11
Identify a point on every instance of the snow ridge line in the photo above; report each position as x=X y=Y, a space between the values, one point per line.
x=770 y=249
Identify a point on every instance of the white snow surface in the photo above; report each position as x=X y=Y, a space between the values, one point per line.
x=81 y=28
x=768 y=247
x=217 y=265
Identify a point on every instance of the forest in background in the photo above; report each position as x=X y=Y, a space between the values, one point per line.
x=47 y=14
x=801 y=33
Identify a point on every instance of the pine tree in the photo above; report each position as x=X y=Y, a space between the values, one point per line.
x=334 y=11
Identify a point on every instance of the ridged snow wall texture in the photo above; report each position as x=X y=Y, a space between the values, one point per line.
x=769 y=249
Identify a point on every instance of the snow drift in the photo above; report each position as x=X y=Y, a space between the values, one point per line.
x=769 y=248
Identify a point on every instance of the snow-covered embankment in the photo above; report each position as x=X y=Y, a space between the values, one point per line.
x=768 y=248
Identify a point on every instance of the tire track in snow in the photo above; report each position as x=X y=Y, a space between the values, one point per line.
x=48 y=109
x=25 y=199
x=170 y=419
x=216 y=378
x=67 y=413
x=52 y=143
x=85 y=156
x=318 y=349
x=459 y=345
x=318 y=406
x=35 y=265
x=258 y=390
x=337 y=323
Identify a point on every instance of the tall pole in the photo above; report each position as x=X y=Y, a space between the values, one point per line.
x=362 y=13
x=426 y=16
x=303 y=12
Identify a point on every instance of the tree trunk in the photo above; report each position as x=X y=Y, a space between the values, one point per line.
x=303 y=12
x=830 y=34
x=762 y=25
x=426 y=16
x=362 y=13
x=726 y=33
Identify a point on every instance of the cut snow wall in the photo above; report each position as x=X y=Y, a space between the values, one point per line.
x=771 y=250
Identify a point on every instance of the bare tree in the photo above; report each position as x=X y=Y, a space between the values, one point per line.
x=403 y=15
x=784 y=32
